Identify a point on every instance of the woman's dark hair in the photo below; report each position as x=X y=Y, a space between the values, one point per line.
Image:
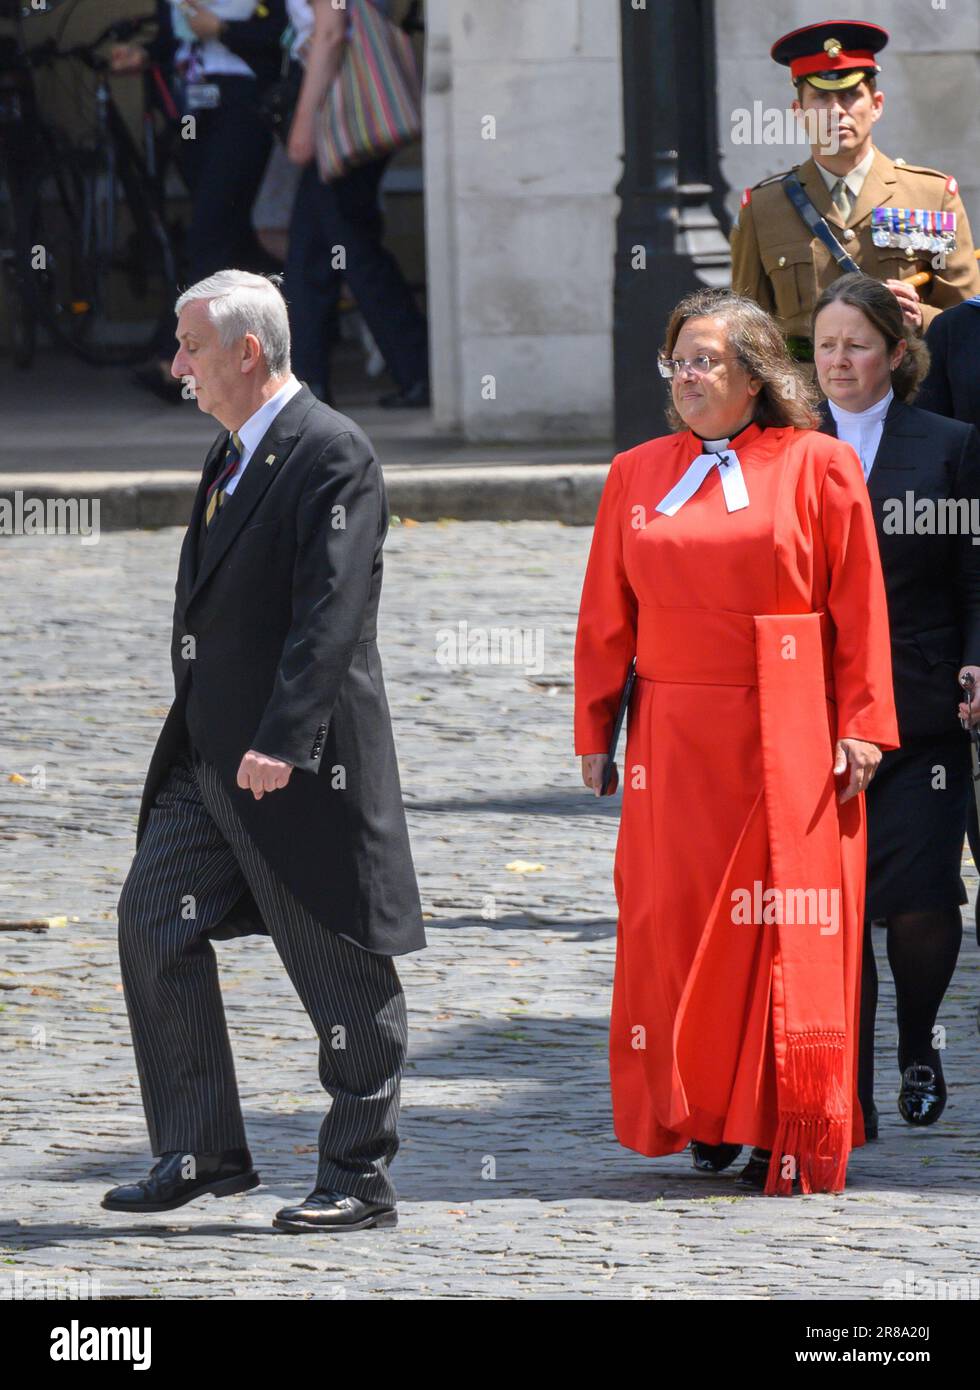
x=787 y=398
x=884 y=313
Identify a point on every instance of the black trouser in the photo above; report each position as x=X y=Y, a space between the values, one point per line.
x=345 y=216
x=223 y=167
x=191 y=867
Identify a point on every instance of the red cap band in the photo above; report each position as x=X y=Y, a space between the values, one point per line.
x=822 y=62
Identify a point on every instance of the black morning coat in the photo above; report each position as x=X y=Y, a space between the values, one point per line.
x=274 y=649
x=932 y=581
x=952 y=386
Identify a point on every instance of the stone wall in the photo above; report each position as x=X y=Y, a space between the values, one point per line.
x=522 y=148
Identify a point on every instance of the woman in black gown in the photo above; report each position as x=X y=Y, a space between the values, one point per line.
x=869 y=370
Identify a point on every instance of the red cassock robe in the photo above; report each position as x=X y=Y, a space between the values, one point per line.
x=760 y=636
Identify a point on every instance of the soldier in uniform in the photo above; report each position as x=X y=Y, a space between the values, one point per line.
x=854 y=208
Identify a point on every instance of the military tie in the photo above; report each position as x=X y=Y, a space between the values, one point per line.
x=841 y=195
x=216 y=492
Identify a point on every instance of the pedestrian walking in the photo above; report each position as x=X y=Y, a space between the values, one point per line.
x=337 y=227
x=734 y=561
x=869 y=365
x=272 y=803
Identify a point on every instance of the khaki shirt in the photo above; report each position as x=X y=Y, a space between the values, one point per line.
x=776 y=262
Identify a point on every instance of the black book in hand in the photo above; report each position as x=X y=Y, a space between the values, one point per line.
x=620 y=716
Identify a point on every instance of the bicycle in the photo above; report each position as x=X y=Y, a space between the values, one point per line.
x=83 y=239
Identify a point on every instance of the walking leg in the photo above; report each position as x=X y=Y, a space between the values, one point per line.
x=183 y=880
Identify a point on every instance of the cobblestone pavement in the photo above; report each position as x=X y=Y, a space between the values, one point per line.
x=511 y=1183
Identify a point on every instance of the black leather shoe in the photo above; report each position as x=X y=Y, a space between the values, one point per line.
x=713 y=1158
x=334 y=1211
x=221 y=1174
x=922 y=1098
x=414 y=397
x=753 y=1176
x=870 y=1123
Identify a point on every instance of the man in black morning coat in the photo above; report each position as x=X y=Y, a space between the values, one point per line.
x=273 y=802
x=952 y=388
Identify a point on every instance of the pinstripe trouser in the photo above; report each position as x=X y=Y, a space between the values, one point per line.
x=192 y=865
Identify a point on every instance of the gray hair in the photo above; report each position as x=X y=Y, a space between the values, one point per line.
x=239 y=303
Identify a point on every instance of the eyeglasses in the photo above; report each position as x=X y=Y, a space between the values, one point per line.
x=700 y=365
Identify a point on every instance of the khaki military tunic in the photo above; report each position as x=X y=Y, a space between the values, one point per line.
x=776 y=261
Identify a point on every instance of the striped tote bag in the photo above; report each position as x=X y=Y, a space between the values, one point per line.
x=374 y=105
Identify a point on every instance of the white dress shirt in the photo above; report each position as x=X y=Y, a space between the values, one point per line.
x=862 y=428
x=254 y=428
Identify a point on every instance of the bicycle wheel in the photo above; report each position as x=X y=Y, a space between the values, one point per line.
x=108 y=281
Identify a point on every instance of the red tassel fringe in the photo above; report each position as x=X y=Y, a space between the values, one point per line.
x=814 y=1129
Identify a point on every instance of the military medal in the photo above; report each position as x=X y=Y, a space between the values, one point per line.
x=918 y=229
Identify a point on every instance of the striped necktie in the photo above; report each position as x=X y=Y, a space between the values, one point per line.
x=216 y=492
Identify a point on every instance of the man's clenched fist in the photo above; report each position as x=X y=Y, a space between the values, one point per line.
x=260 y=774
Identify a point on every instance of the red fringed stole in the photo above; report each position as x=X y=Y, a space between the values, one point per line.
x=790 y=842
x=813 y=1137
x=813 y=1141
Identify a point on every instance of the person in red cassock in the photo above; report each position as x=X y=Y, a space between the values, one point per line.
x=736 y=561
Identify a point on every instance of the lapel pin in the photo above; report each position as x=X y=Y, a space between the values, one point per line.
x=271 y=458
